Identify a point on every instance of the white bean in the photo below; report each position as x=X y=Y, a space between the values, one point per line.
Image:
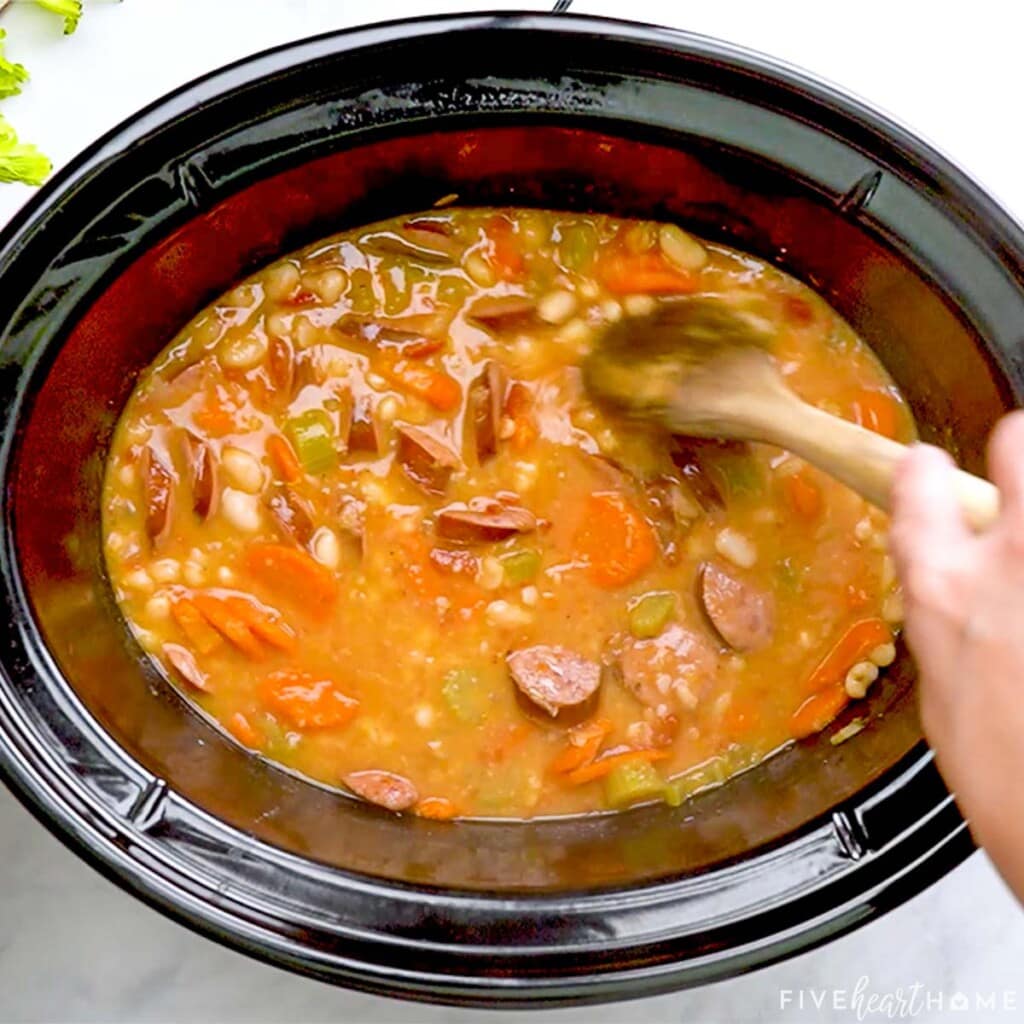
x=524 y=476
x=504 y=613
x=158 y=606
x=529 y=596
x=387 y=409
x=860 y=678
x=138 y=579
x=680 y=249
x=280 y=281
x=423 y=716
x=326 y=548
x=166 y=570
x=479 y=270
x=491 y=573
x=242 y=351
x=575 y=332
x=327 y=285
x=737 y=547
x=556 y=307
x=225 y=575
x=278 y=324
x=611 y=310
x=892 y=608
x=882 y=655
x=241 y=510
x=243 y=470
x=639 y=305
x=194 y=574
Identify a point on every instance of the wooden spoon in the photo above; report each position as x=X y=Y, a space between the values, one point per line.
x=704 y=368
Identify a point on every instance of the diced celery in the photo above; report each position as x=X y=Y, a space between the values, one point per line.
x=520 y=566
x=312 y=436
x=675 y=793
x=649 y=614
x=360 y=292
x=464 y=692
x=397 y=292
x=632 y=782
x=706 y=775
x=578 y=246
x=452 y=290
x=742 y=474
x=791 y=577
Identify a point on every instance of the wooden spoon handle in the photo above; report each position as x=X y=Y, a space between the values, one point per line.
x=867 y=461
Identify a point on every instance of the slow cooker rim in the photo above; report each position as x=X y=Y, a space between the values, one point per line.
x=949 y=843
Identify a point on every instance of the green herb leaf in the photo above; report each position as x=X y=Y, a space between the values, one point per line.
x=20 y=161
x=11 y=74
x=69 y=10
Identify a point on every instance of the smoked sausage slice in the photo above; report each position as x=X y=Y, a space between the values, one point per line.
x=554 y=677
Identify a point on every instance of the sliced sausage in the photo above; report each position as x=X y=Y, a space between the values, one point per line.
x=422 y=246
x=502 y=312
x=740 y=613
x=483 y=409
x=281 y=367
x=202 y=475
x=427 y=461
x=554 y=678
x=292 y=517
x=454 y=563
x=350 y=514
x=362 y=431
x=495 y=522
x=385 y=789
x=674 y=669
x=184 y=663
x=692 y=469
x=158 y=494
x=433 y=237
x=408 y=344
x=671 y=513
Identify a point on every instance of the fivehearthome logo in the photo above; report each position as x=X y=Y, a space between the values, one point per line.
x=864 y=1003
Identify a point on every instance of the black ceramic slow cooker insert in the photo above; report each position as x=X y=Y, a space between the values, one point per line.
x=101 y=269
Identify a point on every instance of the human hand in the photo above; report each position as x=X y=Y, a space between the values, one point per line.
x=964 y=609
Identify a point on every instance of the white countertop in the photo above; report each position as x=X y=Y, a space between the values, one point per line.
x=75 y=948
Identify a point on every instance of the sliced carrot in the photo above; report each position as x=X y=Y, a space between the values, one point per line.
x=214 y=420
x=284 y=458
x=229 y=625
x=878 y=411
x=437 y=808
x=518 y=408
x=267 y=623
x=243 y=730
x=422 y=347
x=855 y=644
x=599 y=769
x=818 y=710
x=804 y=495
x=614 y=539
x=294 y=572
x=197 y=630
x=506 y=254
x=642 y=273
x=583 y=744
x=433 y=386
x=307 y=701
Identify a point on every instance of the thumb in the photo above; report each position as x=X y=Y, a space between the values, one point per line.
x=926 y=519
